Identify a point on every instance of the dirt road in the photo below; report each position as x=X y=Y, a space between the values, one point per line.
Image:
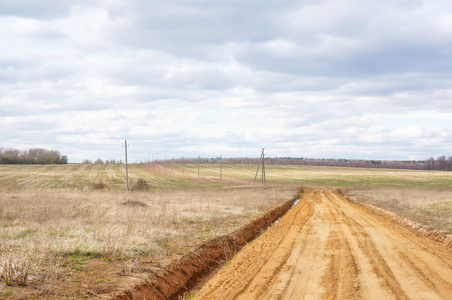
x=328 y=248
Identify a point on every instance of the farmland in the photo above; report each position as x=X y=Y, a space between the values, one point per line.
x=75 y=232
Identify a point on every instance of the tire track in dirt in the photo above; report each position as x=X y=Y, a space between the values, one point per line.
x=329 y=248
x=386 y=244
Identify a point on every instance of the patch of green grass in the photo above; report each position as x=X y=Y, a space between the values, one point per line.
x=81 y=257
x=78 y=267
x=192 y=296
x=25 y=233
x=60 y=233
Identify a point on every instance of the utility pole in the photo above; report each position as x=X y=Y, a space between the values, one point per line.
x=221 y=171
x=264 y=181
x=127 y=172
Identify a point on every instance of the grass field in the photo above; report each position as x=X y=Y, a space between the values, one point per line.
x=61 y=234
x=82 y=177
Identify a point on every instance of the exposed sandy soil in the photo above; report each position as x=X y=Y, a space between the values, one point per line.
x=329 y=248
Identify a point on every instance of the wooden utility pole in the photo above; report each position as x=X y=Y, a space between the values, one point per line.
x=221 y=171
x=127 y=172
x=264 y=181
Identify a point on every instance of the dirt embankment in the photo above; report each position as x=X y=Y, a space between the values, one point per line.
x=186 y=273
x=328 y=248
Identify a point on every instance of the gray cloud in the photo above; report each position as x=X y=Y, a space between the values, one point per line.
x=42 y=9
x=356 y=79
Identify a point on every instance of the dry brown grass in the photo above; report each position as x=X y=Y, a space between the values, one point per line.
x=430 y=207
x=14 y=270
x=54 y=232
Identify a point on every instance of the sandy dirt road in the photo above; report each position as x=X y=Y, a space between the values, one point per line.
x=328 y=248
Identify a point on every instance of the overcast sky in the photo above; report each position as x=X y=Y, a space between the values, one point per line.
x=181 y=78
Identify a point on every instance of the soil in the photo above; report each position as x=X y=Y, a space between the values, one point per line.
x=328 y=248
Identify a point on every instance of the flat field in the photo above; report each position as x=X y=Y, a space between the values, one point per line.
x=72 y=230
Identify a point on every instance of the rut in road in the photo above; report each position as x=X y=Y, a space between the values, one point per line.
x=328 y=248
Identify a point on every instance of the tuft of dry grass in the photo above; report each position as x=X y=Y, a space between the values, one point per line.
x=14 y=269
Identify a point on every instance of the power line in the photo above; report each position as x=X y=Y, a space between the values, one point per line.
x=127 y=173
x=261 y=161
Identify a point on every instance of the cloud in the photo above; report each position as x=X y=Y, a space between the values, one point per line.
x=340 y=38
x=42 y=9
x=347 y=79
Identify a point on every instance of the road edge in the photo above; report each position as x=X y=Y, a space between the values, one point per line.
x=180 y=277
x=418 y=228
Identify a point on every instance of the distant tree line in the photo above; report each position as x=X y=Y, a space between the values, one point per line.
x=441 y=163
x=32 y=156
x=99 y=161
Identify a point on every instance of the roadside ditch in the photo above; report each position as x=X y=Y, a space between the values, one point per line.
x=191 y=271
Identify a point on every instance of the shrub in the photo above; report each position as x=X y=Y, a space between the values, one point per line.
x=140 y=185
x=100 y=186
